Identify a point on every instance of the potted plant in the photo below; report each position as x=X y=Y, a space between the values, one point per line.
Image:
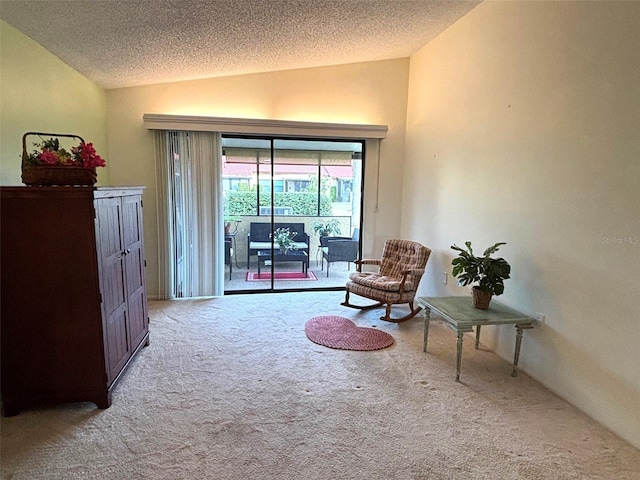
x=326 y=227
x=228 y=220
x=489 y=273
x=283 y=237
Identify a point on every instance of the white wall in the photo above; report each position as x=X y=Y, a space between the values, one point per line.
x=40 y=93
x=524 y=127
x=364 y=93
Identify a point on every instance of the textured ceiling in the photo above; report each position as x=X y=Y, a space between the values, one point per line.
x=121 y=43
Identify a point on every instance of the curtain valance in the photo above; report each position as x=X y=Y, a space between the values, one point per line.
x=154 y=121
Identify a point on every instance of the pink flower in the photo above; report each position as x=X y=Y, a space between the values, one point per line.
x=48 y=157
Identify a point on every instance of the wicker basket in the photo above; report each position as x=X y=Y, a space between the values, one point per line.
x=481 y=299
x=46 y=175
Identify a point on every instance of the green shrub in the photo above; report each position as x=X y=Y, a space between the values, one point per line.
x=302 y=203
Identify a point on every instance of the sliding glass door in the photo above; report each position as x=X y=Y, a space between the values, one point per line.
x=292 y=212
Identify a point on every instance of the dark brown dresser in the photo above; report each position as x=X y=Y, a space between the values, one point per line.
x=73 y=303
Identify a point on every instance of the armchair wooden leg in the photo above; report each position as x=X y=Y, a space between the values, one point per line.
x=346 y=303
x=387 y=316
x=413 y=313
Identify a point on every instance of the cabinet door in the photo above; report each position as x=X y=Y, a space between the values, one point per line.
x=111 y=256
x=134 y=269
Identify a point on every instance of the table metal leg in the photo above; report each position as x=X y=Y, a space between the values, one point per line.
x=459 y=356
x=427 y=316
x=516 y=357
x=235 y=251
x=477 y=336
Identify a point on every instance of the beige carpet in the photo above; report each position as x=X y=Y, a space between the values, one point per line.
x=232 y=388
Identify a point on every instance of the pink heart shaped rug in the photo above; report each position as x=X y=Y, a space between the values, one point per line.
x=339 y=332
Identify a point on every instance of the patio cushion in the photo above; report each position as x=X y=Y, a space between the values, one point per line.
x=267 y=245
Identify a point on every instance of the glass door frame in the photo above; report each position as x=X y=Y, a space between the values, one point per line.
x=273 y=140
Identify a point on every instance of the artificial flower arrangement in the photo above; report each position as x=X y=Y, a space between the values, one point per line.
x=50 y=153
x=52 y=165
x=284 y=238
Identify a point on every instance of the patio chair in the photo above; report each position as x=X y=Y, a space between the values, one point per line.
x=400 y=269
x=339 y=249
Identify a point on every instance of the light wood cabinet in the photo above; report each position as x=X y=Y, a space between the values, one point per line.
x=73 y=299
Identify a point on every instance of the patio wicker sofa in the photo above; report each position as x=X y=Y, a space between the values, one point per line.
x=259 y=238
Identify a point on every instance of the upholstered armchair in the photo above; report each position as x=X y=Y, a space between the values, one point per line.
x=400 y=269
x=339 y=249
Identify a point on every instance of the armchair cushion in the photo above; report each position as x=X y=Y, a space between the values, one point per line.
x=380 y=282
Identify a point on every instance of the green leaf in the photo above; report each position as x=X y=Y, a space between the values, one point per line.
x=468 y=244
x=493 y=249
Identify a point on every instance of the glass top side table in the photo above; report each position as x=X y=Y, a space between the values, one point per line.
x=461 y=316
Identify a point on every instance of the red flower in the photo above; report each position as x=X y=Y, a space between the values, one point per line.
x=87 y=156
x=48 y=157
x=84 y=155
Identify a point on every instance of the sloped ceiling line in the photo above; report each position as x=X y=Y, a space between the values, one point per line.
x=126 y=43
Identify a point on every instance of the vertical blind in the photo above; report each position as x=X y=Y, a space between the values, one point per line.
x=190 y=216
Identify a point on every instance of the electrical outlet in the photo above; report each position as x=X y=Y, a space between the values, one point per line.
x=540 y=318
x=444 y=278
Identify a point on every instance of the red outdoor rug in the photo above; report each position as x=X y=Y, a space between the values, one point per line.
x=338 y=332
x=295 y=276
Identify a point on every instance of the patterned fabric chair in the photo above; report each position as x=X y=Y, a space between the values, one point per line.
x=401 y=267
